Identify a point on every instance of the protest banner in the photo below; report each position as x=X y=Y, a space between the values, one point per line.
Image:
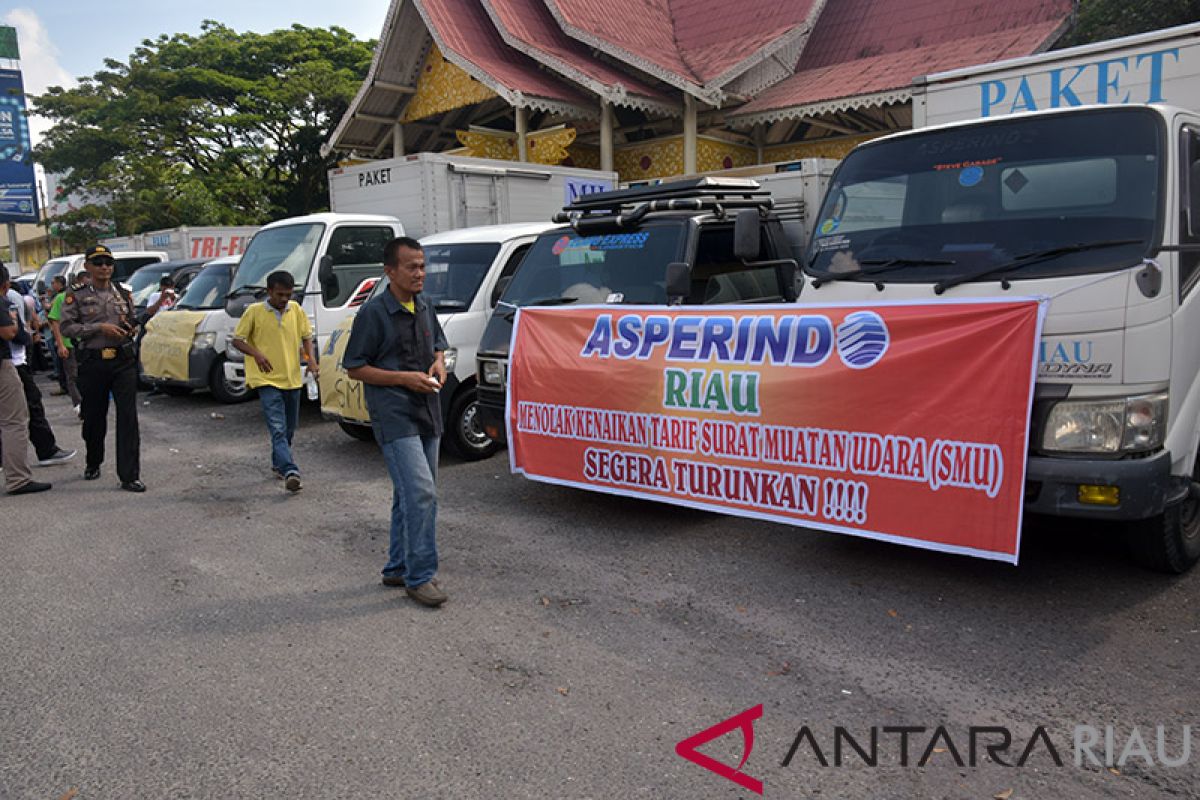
x=902 y=422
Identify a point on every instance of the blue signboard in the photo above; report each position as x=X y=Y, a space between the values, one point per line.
x=18 y=192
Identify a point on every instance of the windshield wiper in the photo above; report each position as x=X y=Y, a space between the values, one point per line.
x=881 y=265
x=542 y=301
x=450 y=305
x=1026 y=259
x=247 y=289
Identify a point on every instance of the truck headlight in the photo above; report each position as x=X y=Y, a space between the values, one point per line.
x=491 y=372
x=450 y=359
x=203 y=341
x=1129 y=424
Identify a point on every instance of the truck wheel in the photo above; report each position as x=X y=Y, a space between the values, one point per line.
x=222 y=389
x=1169 y=542
x=361 y=432
x=464 y=434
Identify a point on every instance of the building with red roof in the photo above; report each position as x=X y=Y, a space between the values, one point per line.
x=653 y=88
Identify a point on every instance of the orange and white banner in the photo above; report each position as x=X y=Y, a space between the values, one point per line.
x=902 y=422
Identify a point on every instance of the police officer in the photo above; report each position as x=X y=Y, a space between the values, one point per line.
x=100 y=317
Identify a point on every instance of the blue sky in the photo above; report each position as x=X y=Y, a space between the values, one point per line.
x=62 y=40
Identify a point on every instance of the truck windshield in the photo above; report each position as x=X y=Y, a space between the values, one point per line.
x=208 y=289
x=628 y=267
x=453 y=274
x=1026 y=197
x=290 y=247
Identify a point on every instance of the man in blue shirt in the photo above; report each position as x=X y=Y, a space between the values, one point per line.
x=395 y=349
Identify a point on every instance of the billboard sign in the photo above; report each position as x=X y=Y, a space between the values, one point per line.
x=18 y=189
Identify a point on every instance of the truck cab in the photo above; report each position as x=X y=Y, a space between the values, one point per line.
x=336 y=260
x=698 y=241
x=465 y=269
x=1096 y=210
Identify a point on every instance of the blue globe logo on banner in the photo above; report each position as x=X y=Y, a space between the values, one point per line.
x=862 y=339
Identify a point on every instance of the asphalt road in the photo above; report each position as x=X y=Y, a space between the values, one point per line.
x=215 y=638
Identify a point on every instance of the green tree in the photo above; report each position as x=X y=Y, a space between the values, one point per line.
x=1097 y=20
x=223 y=128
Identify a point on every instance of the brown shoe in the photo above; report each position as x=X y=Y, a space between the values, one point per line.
x=427 y=594
x=393 y=580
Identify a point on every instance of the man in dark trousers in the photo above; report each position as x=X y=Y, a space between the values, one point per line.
x=14 y=414
x=100 y=318
x=396 y=348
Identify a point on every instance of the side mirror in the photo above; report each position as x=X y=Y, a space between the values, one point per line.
x=498 y=291
x=679 y=282
x=327 y=278
x=746 y=235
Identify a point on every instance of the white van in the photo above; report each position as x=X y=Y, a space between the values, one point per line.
x=184 y=346
x=127 y=263
x=465 y=273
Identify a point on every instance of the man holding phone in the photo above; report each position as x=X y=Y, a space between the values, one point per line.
x=396 y=349
x=100 y=318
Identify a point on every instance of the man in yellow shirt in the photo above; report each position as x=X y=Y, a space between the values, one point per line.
x=271 y=333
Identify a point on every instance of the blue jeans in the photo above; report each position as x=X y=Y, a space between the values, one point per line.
x=281 y=408
x=412 y=464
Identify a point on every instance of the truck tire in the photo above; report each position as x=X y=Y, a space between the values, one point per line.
x=361 y=432
x=221 y=388
x=1169 y=542
x=464 y=435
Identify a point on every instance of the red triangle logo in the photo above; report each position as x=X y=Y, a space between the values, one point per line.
x=745 y=721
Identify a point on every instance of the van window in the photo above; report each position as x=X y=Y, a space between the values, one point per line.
x=982 y=196
x=357 y=253
x=719 y=277
x=127 y=265
x=288 y=247
x=565 y=267
x=1189 y=223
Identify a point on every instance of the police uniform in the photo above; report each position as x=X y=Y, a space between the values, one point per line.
x=107 y=365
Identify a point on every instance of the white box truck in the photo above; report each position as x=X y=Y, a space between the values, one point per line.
x=185 y=243
x=1072 y=176
x=434 y=192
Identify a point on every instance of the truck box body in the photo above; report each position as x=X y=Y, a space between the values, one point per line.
x=1157 y=67
x=185 y=243
x=433 y=192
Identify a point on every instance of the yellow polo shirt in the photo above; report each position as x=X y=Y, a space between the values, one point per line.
x=278 y=335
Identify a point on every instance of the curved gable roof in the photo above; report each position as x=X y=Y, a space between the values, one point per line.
x=468 y=39
x=872 y=50
x=696 y=45
x=527 y=25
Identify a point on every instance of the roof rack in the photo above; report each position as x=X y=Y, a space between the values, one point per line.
x=627 y=207
x=743 y=188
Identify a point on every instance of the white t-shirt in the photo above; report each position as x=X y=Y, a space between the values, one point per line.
x=17 y=308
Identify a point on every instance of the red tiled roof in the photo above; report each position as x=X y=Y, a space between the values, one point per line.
x=528 y=25
x=852 y=29
x=700 y=42
x=865 y=47
x=463 y=29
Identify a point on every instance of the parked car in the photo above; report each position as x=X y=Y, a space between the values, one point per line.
x=184 y=346
x=127 y=263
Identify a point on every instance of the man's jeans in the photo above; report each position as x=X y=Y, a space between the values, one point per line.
x=281 y=407
x=412 y=463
